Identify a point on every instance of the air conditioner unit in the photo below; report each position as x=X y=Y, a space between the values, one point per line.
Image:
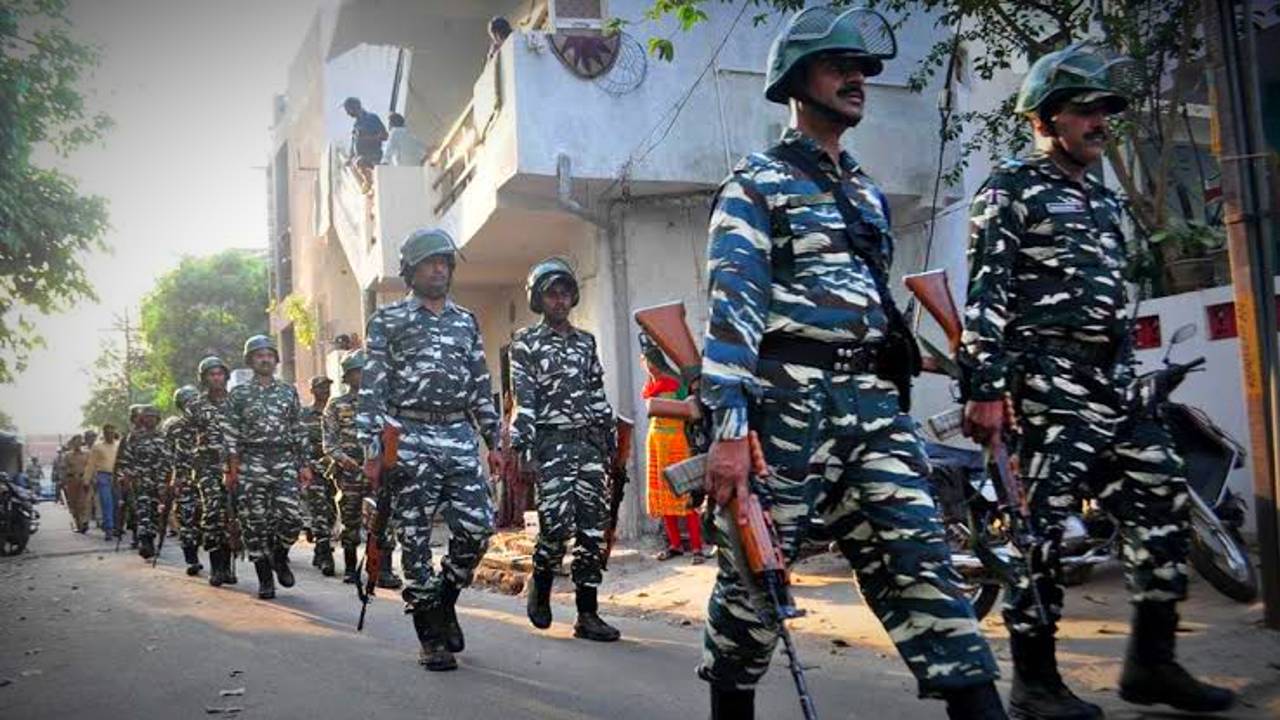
x=577 y=15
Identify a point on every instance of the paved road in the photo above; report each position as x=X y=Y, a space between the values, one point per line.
x=88 y=633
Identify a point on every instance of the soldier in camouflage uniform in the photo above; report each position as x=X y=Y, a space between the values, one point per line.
x=1045 y=326
x=143 y=466
x=798 y=336
x=179 y=434
x=267 y=457
x=563 y=423
x=426 y=374
x=346 y=465
x=206 y=415
x=319 y=498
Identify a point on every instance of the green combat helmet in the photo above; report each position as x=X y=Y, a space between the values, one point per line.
x=1083 y=72
x=184 y=395
x=353 y=360
x=545 y=273
x=209 y=363
x=823 y=29
x=148 y=410
x=260 y=342
x=422 y=244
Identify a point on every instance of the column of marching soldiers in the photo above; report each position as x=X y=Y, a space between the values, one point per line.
x=804 y=347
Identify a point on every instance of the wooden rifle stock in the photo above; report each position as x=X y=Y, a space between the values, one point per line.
x=618 y=479
x=934 y=293
x=670 y=332
x=372 y=548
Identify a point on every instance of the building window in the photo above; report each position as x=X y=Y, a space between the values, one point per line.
x=577 y=15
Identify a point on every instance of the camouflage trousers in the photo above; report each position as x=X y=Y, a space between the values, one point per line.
x=188 y=511
x=840 y=450
x=321 y=509
x=571 y=504
x=214 y=504
x=267 y=501
x=1077 y=442
x=355 y=488
x=148 y=498
x=439 y=473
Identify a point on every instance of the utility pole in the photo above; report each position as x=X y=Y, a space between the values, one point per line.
x=1248 y=202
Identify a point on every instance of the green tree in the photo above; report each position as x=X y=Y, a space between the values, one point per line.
x=117 y=384
x=206 y=306
x=46 y=225
x=6 y=422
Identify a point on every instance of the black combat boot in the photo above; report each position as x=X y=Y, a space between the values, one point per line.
x=976 y=702
x=229 y=567
x=1038 y=691
x=1152 y=674
x=538 y=605
x=433 y=655
x=349 y=572
x=453 y=639
x=193 y=560
x=266 y=584
x=315 y=555
x=324 y=555
x=387 y=578
x=217 y=567
x=280 y=561
x=732 y=703
x=589 y=626
x=147 y=547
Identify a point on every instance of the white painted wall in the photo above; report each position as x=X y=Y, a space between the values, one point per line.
x=1219 y=391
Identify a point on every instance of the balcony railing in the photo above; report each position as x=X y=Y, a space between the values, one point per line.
x=455 y=159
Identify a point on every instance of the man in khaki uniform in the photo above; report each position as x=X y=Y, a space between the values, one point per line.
x=73 y=484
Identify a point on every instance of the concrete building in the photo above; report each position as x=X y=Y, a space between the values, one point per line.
x=529 y=158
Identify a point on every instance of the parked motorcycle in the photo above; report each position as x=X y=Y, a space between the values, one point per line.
x=19 y=519
x=966 y=497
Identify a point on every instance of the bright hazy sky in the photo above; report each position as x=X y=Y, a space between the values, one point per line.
x=189 y=84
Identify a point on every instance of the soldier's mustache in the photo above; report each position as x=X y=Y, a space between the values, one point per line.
x=851 y=91
x=1096 y=135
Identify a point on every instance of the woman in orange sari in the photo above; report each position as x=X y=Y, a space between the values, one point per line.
x=666 y=445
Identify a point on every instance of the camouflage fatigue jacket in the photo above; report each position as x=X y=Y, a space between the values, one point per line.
x=207 y=423
x=180 y=434
x=145 y=457
x=339 y=429
x=420 y=361
x=265 y=416
x=312 y=420
x=558 y=384
x=778 y=262
x=1046 y=258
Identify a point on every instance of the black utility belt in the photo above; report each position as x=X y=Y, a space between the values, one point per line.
x=1078 y=350
x=851 y=358
x=578 y=434
x=444 y=417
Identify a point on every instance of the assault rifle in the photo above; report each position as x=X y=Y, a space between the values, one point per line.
x=934 y=293
x=163 y=528
x=757 y=554
x=235 y=534
x=379 y=469
x=617 y=475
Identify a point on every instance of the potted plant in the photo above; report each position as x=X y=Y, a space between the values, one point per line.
x=1194 y=253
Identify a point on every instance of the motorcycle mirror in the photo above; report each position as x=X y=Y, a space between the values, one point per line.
x=1183 y=334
